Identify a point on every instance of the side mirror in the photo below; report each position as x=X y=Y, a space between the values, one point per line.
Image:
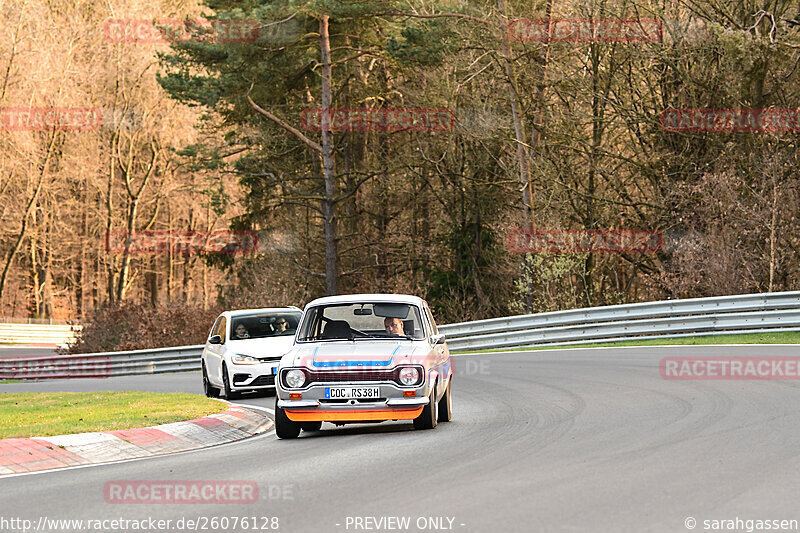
x=438 y=339
x=215 y=339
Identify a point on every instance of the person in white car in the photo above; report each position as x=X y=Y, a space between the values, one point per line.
x=244 y=347
x=241 y=332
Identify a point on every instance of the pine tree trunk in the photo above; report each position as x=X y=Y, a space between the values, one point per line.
x=328 y=204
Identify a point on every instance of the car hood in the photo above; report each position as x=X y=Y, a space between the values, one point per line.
x=357 y=354
x=263 y=347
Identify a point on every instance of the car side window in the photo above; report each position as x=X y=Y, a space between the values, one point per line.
x=432 y=323
x=312 y=325
x=214 y=327
x=426 y=323
x=221 y=329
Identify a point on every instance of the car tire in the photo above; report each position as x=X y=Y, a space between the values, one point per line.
x=210 y=390
x=427 y=418
x=446 y=405
x=229 y=394
x=285 y=428
x=310 y=426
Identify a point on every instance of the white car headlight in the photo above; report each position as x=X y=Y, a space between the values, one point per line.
x=409 y=376
x=240 y=359
x=295 y=378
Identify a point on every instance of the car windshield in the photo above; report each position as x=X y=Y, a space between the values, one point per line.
x=362 y=321
x=260 y=325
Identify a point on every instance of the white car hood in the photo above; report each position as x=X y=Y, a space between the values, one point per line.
x=262 y=347
x=356 y=354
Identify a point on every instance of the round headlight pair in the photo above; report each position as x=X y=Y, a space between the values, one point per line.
x=409 y=376
x=295 y=378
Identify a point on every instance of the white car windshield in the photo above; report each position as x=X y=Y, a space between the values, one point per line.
x=262 y=325
x=362 y=321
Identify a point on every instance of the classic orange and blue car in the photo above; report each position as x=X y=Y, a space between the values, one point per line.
x=364 y=358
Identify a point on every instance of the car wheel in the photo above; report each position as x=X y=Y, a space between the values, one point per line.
x=310 y=426
x=446 y=404
x=285 y=428
x=427 y=419
x=229 y=394
x=210 y=390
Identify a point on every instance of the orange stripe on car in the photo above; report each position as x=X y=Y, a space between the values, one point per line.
x=353 y=416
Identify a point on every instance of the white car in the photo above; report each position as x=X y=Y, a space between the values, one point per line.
x=244 y=347
x=364 y=358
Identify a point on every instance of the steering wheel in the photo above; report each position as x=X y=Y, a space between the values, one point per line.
x=360 y=332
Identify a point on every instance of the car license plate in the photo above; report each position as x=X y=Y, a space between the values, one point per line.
x=356 y=393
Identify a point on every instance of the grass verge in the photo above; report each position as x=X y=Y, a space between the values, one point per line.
x=785 y=337
x=33 y=414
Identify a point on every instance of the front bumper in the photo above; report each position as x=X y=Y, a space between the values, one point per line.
x=314 y=407
x=253 y=377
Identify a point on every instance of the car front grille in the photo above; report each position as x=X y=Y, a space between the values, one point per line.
x=264 y=380
x=356 y=375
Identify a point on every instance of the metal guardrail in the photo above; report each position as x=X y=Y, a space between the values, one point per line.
x=102 y=365
x=724 y=315
x=752 y=313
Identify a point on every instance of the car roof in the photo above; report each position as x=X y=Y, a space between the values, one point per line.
x=240 y=312
x=367 y=298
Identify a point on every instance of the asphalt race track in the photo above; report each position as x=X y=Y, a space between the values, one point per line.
x=567 y=440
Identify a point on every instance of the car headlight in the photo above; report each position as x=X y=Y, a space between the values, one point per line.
x=408 y=376
x=295 y=378
x=239 y=359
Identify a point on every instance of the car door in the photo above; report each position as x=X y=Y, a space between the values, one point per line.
x=440 y=352
x=216 y=352
x=207 y=349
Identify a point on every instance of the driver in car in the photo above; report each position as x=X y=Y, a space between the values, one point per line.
x=241 y=332
x=393 y=326
x=281 y=325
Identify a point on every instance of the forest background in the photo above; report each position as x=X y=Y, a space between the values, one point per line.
x=208 y=130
